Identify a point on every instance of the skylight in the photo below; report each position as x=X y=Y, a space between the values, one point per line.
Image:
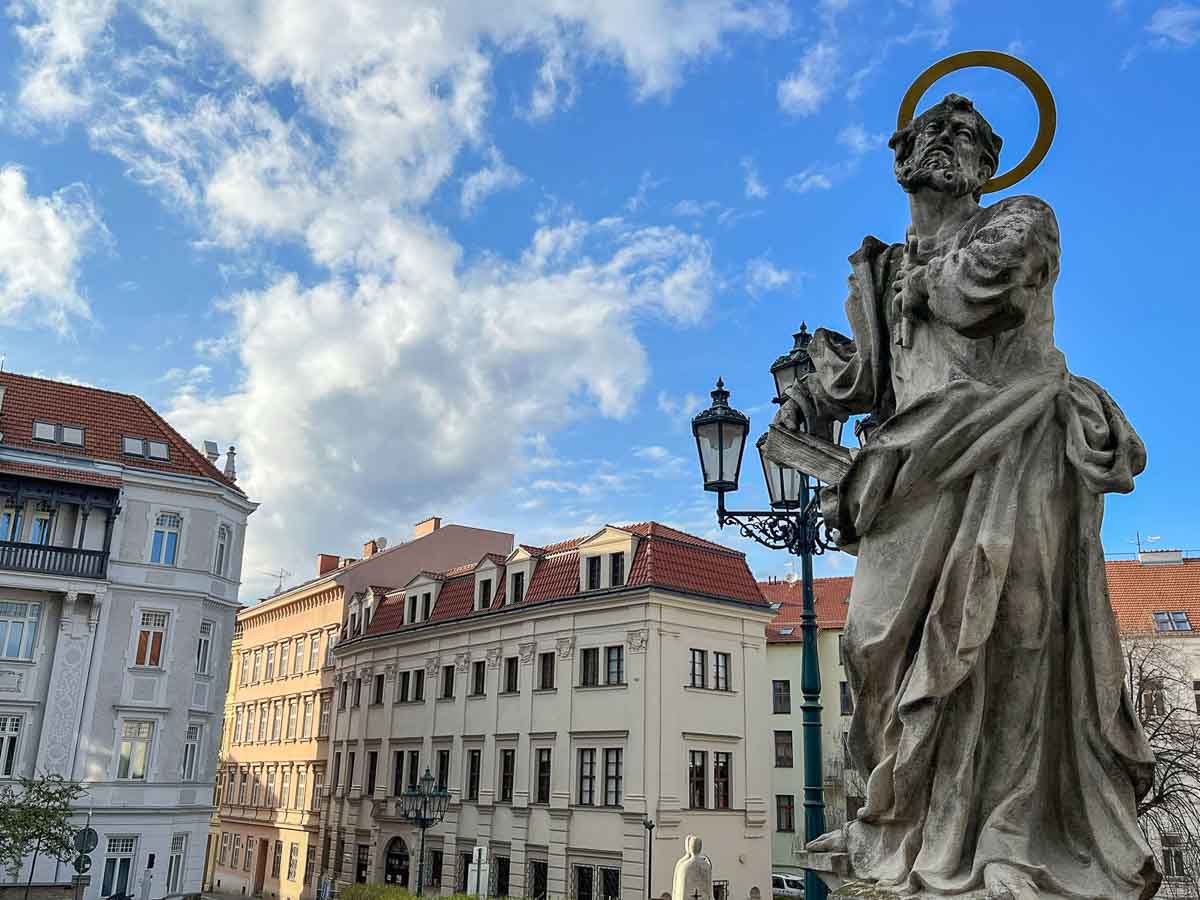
x=1175 y=620
x=53 y=433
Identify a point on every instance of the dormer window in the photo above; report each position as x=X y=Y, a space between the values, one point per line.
x=485 y=593
x=517 y=592
x=593 y=573
x=412 y=608
x=426 y=606
x=616 y=569
x=51 y=433
x=151 y=449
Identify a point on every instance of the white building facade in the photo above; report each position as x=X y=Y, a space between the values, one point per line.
x=120 y=559
x=563 y=696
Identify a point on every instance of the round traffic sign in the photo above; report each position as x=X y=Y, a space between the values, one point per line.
x=86 y=840
x=82 y=863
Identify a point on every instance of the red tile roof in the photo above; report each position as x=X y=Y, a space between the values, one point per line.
x=105 y=416
x=831 y=596
x=54 y=473
x=1136 y=591
x=665 y=558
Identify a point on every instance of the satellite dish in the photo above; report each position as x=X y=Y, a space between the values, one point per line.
x=380 y=543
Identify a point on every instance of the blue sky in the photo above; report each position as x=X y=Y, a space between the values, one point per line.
x=484 y=260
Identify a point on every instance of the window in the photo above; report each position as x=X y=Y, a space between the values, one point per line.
x=500 y=877
x=1196 y=694
x=362 y=862
x=426 y=606
x=272 y=797
x=485 y=593
x=378 y=696
x=298 y=658
x=593 y=573
x=372 y=764
x=510 y=675
x=118 y=865
x=517 y=594
x=617 y=569
x=301 y=785
x=543 y=775
x=222 y=554
x=613 y=777
x=697 y=775
x=447 y=682
x=69 y=434
x=310 y=859
x=358 y=692
x=133 y=446
x=264 y=720
x=546 y=671
x=587 y=777
x=270 y=672
x=284 y=649
x=236 y=856
x=225 y=848
x=846 y=698
x=330 y=641
x=1154 y=698
x=237 y=725
x=150 y=640
x=175 y=862
x=418 y=685
x=256 y=784
x=245 y=679
x=248 y=859
x=508 y=766
x=44 y=431
x=165 y=542
x=785 y=812
x=1174 y=862
x=257 y=665
x=473 y=761
x=781 y=697
x=133 y=754
x=721 y=671
x=590 y=668
x=10 y=733
x=1172 y=621
x=478 y=674
x=306 y=726
x=318 y=780
x=412 y=609
x=783 y=749
x=293 y=860
x=277 y=859
x=39 y=528
x=722 y=773
x=443 y=770
x=323 y=719
x=285 y=788
x=18 y=629
x=350 y=760
x=292 y=711
x=314 y=652
x=337 y=769
x=204 y=648
x=157 y=450
x=10 y=524
x=414 y=768
x=699 y=669
x=242 y=786
x=614 y=665
x=276 y=721
x=191 y=751
x=343 y=693
x=402 y=685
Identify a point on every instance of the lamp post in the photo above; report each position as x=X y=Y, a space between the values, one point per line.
x=648 y=824
x=793 y=523
x=424 y=805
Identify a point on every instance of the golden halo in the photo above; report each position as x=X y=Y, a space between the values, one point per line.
x=992 y=59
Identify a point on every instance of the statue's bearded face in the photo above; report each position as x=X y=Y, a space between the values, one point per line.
x=945 y=152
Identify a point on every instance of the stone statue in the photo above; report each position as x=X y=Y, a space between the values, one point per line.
x=693 y=873
x=1000 y=747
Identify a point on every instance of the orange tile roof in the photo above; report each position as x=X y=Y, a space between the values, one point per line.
x=54 y=473
x=105 y=416
x=1136 y=591
x=665 y=558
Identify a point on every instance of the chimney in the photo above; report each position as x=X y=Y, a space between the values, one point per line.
x=326 y=563
x=230 y=466
x=370 y=548
x=427 y=526
x=1160 y=557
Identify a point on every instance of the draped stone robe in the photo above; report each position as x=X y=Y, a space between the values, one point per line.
x=991 y=718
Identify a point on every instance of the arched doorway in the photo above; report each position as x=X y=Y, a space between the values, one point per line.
x=396 y=863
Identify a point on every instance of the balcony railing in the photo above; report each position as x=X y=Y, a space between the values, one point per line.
x=46 y=560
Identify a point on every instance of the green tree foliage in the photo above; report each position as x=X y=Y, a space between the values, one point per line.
x=35 y=818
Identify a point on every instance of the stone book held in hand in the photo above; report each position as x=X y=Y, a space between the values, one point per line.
x=825 y=461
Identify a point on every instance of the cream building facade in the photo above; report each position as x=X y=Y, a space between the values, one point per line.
x=279 y=706
x=563 y=695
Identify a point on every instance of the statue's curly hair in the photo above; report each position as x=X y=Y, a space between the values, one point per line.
x=903 y=140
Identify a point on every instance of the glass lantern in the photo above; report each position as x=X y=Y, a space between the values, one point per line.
x=720 y=433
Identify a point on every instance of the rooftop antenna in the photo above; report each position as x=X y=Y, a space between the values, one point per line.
x=280 y=575
x=1150 y=539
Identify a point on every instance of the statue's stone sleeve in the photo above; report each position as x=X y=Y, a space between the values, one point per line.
x=985 y=283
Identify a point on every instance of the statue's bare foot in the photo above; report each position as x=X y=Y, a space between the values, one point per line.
x=830 y=842
x=1008 y=883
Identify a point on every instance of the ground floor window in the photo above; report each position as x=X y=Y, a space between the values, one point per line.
x=538 y=879
x=720 y=890
x=1174 y=864
x=499 y=876
x=310 y=857
x=118 y=866
x=595 y=882
x=362 y=864
x=175 y=863
x=464 y=869
x=434 y=876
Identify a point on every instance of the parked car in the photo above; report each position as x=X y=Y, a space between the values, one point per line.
x=787 y=887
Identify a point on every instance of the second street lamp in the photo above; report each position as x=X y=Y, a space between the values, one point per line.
x=793 y=523
x=424 y=804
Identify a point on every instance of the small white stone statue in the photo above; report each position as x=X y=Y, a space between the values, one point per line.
x=693 y=873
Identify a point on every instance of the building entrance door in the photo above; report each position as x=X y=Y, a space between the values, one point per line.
x=260 y=866
x=396 y=864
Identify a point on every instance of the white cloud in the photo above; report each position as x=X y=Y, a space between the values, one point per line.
x=496 y=176
x=42 y=240
x=811 y=179
x=58 y=35
x=805 y=90
x=1177 y=25
x=693 y=209
x=640 y=198
x=755 y=189
x=763 y=276
x=681 y=409
x=859 y=141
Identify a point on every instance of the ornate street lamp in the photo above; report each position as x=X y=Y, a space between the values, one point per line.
x=793 y=523
x=424 y=805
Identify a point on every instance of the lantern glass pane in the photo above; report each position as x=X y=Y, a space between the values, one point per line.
x=783 y=484
x=785 y=377
x=711 y=437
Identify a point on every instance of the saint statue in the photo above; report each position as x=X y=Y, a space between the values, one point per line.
x=692 y=878
x=1001 y=750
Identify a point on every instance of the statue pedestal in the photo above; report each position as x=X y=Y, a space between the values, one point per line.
x=831 y=868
